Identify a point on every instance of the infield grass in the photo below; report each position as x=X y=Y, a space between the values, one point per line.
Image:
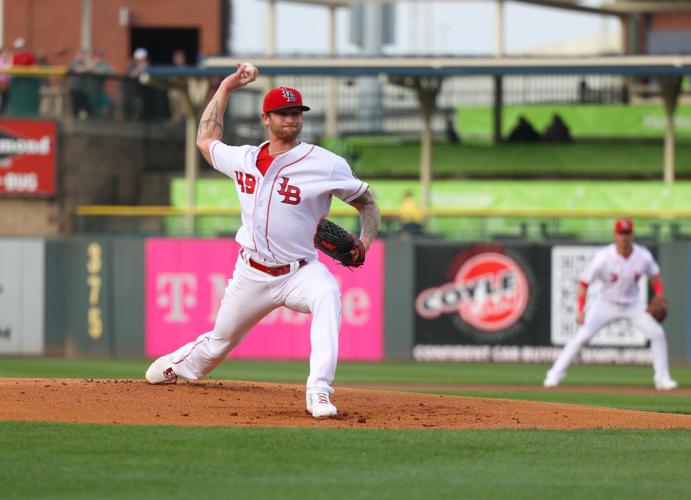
x=90 y=461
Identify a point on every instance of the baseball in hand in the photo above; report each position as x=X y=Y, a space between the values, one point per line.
x=248 y=72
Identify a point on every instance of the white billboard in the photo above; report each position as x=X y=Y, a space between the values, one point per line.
x=22 y=295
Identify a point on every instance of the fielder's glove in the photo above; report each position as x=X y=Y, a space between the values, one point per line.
x=658 y=309
x=339 y=244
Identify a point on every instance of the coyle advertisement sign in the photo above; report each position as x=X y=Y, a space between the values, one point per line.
x=27 y=157
x=473 y=302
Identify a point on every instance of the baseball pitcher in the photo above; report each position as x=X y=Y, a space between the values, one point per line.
x=285 y=187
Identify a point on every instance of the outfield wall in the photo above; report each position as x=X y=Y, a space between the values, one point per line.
x=428 y=300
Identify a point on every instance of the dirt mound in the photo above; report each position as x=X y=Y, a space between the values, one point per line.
x=230 y=403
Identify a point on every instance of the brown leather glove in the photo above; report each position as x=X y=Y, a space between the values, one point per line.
x=657 y=308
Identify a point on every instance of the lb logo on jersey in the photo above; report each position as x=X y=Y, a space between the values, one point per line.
x=489 y=293
x=291 y=194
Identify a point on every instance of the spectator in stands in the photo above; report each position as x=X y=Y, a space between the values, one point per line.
x=133 y=95
x=410 y=215
x=5 y=65
x=523 y=131
x=557 y=131
x=101 y=103
x=176 y=96
x=451 y=134
x=42 y=58
x=24 y=90
x=21 y=56
x=80 y=65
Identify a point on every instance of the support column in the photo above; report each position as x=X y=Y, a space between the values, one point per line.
x=670 y=87
x=191 y=172
x=330 y=105
x=270 y=49
x=427 y=91
x=195 y=99
x=499 y=50
x=2 y=21
x=370 y=109
x=85 y=37
x=499 y=44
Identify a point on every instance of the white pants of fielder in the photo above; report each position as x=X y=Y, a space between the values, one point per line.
x=602 y=313
x=252 y=294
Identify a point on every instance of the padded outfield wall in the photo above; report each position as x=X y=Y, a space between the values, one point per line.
x=428 y=300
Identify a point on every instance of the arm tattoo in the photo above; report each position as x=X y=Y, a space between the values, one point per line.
x=369 y=216
x=211 y=124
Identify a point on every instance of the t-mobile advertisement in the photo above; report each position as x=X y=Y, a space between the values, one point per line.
x=481 y=303
x=185 y=283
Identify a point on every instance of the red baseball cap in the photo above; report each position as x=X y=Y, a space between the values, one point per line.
x=623 y=226
x=283 y=98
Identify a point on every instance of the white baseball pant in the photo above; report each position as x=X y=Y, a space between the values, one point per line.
x=602 y=313
x=250 y=295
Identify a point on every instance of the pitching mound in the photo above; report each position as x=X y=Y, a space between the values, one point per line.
x=229 y=403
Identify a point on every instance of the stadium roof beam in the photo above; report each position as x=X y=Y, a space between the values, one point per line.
x=572 y=5
x=645 y=7
x=452 y=66
x=618 y=8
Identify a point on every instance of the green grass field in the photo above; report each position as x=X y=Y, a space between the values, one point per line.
x=41 y=460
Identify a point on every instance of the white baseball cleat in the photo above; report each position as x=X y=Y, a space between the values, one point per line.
x=319 y=405
x=161 y=371
x=665 y=384
x=552 y=380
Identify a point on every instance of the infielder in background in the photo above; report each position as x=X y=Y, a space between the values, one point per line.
x=618 y=266
x=285 y=186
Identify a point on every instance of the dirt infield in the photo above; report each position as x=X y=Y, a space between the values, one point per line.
x=230 y=403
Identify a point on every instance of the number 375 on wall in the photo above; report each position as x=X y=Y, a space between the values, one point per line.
x=94 y=266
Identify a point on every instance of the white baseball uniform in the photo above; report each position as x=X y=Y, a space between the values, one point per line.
x=280 y=212
x=618 y=299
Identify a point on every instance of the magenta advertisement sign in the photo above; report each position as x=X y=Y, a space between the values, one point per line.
x=185 y=282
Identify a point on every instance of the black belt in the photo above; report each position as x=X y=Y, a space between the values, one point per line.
x=272 y=270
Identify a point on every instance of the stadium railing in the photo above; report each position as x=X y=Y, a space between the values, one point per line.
x=452 y=224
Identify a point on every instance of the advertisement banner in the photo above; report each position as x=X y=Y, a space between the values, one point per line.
x=22 y=292
x=583 y=120
x=567 y=264
x=480 y=295
x=185 y=283
x=27 y=157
